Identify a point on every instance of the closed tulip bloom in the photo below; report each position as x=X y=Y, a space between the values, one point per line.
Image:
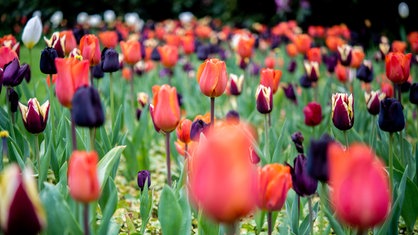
x=108 y=39
x=7 y=56
x=274 y=181
x=32 y=32
x=183 y=130
x=90 y=49
x=245 y=46
x=289 y=92
x=318 y=158
x=312 y=70
x=47 y=63
x=34 y=115
x=13 y=99
x=110 y=60
x=198 y=126
x=188 y=44
x=360 y=192
x=57 y=42
x=391 y=117
x=212 y=77
x=413 y=93
x=342 y=111
x=70 y=41
x=20 y=206
x=314 y=55
x=264 y=99
x=313 y=114
x=345 y=54
x=87 y=108
x=373 y=99
x=143 y=177
x=14 y=73
x=222 y=180
x=131 y=51
x=235 y=84
x=331 y=62
x=83 y=180
x=398 y=66
x=303 y=183
x=71 y=74
x=169 y=55
x=297 y=139
x=357 y=57
x=270 y=78
x=365 y=72
x=302 y=42
x=165 y=108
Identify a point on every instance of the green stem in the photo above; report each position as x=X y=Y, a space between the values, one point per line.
x=4 y=152
x=311 y=222
x=374 y=132
x=167 y=147
x=132 y=91
x=346 y=139
x=269 y=223
x=51 y=108
x=323 y=201
x=86 y=218
x=231 y=229
x=36 y=143
x=266 y=138
x=112 y=104
x=212 y=111
x=73 y=133
x=92 y=137
x=390 y=159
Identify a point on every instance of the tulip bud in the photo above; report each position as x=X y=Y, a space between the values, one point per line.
x=318 y=158
x=97 y=71
x=165 y=109
x=110 y=60
x=57 y=42
x=270 y=78
x=365 y=72
x=373 y=101
x=413 y=93
x=83 y=179
x=87 y=109
x=143 y=177
x=14 y=73
x=90 y=49
x=34 y=115
x=183 y=130
x=235 y=84
x=292 y=66
x=303 y=183
x=313 y=114
x=391 y=117
x=20 y=206
x=331 y=62
x=47 y=63
x=312 y=70
x=305 y=82
x=264 y=99
x=32 y=32
x=212 y=77
x=198 y=126
x=398 y=66
x=345 y=54
x=342 y=111
x=297 y=139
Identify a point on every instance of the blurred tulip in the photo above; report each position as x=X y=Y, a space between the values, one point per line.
x=71 y=74
x=391 y=117
x=90 y=49
x=183 y=130
x=313 y=114
x=143 y=177
x=314 y=55
x=345 y=54
x=387 y=88
x=399 y=46
x=264 y=99
x=302 y=182
x=83 y=181
x=302 y=42
x=289 y=92
x=331 y=62
x=360 y=191
x=35 y=116
x=108 y=39
x=312 y=70
x=97 y=71
x=297 y=139
x=365 y=71
x=235 y=84
x=169 y=55
x=70 y=41
x=357 y=57
x=131 y=51
x=270 y=78
x=32 y=32
x=413 y=93
x=198 y=126
x=274 y=181
x=13 y=99
x=110 y=60
x=398 y=66
x=165 y=108
x=342 y=111
x=212 y=77
x=188 y=44
x=87 y=108
x=341 y=72
x=57 y=42
x=412 y=38
x=318 y=158
x=47 y=62
x=373 y=99
x=7 y=55
x=14 y=73
x=21 y=209
x=245 y=46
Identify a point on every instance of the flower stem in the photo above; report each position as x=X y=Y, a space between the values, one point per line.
x=266 y=138
x=86 y=218
x=390 y=159
x=4 y=153
x=112 y=104
x=311 y=222
x=36 y=143
x=167 y=148
x=132 y=90
x=373 y=135
x=231 y=229
x=346 y=138
x=212 y=111
x=92 y=137
x=269 y=223
x=51 y=111
x=73 y=132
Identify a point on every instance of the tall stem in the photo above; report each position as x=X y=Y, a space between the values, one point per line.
x=86 y=218
x=311 y=222
x=132 y=90
x=266 y=138
x=212 y=111
x=390 y=159
x=112 y=104
x=92 y=137
x=167 y=147
x=73 y=132
x=346 y=138
x=5 y=151
x=269 y=223
x=38 y=163
x=231 y=229
x=373 y=135
x=51 y=108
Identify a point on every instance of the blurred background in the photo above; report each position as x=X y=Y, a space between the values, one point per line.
x=367 y=17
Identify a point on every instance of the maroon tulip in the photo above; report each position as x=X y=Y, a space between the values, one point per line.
x=313 y=114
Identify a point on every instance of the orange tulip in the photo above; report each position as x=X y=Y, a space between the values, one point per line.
x=172 y=39
x=70 y=42
x=187 y=43
x=270 y=62
x=83 y=180
x=212 y=77
x=131 y=51
x=183 y=130
x=270 y=78
x=314 y=55
x=165 y=108
x=291 y=49
x=108 y=39
x=341 y=73
x=398 y=66
x=71 y=74
x=302 y=42
x=399 y=46
x=245 y=46
x=169 y=55
x=333 y=42
x=274 y=181
x=90 y=49
x=357 y=57
x=222 y=180
x=360 y=191
x=413 y=41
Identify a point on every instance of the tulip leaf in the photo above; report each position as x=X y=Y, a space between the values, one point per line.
x=108 y=163
x=60 y=219
x=117 y=125
x=206 y=226
x=169 y=212
x=409 y=210
x=186 y=223
x=292 y=209
x=108 y=203
x=145 y=208
x=259 y=218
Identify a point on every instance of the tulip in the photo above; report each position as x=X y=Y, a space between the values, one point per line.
x=297 y=139
x=318 y=158
x=303 y=183
x=264 y=99
x=32 y=32
x=391 y=117
x=314 y=55
x=83 y=180
x=188 y=44
x=70 y=42
x=47 y=62
x=274 y=182
x=330 y=62
x=270 y=78
x=398 y=66
x=7 y=56
x=413 y=93
x=169 y=55
x=143 y=177
x=110 y=60
x=131 y=51
x=14 y=73
x=34 y=115
x=165 y=108
x=87 y=108
x=183 y=130
x=232 y=117
x=212 y=77
x=302 y=43
x=222 y=180
x=373 y=99
x=305 y=82
x=357 y=57
x=365 y=71
x=245 y=46
x=198 y=126
x=97 y=71
x=57 y=42
x=342 y=111
x=20 y=206
x=13 y=99
x=289 y=92
x=360 y=192
x=235 y=84
x=108 y=39
x=313 y=114
x=90 y=49
x=71 y=74
x=345 y=54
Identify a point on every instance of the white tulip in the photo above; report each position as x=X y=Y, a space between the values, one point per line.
x=82 y=17
x=403 y=10
x=56 y=18
x=95 y=20
x=32 y=32
x=186 y=17
x=109 y=16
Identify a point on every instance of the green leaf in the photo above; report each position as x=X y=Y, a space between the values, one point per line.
x=117 y=126
x=259 y=218
x=169 y=212
x=409 y=207
x=206 y=226
x=108 y=203
x=108 y=163
x=60 y=220
x=145 y=208
x=186 y=224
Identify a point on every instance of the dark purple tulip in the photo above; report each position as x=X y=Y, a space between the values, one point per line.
x=47 y=62
x=330 y=62
x=13 y=99
x=187 y=67
x=232 y=116
x=13 y=73
x=87 y=109
x=343 y=111
x=138 y=113
x=305 y=82
x=413 y=93
x=264 y=99
x=110 y=60
x=297 y=139
x=97 y=71
x=255 y=69
x=143 y=177
x=345 y=54
x=405 y=86
x=391 y=117
x=318 y=158
x=202 y=52
x=198 y=127
x=155 y=55
x=243 y=63
x=164 y=72
x=289 y=92
x=302 y=182
x=365 y=72
x=292 y=66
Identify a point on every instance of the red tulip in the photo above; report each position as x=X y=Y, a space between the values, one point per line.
x=169 y=55
x=108 y=39
x=183 y=130
x=90 y=49
x=212 y=77
x=165 y=108
x=270 y=78
x=398 y=66
x=6 y=56
x=313 y=114
x=131 y=51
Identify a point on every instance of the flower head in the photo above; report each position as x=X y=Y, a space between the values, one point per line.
x=165 y=108
x=32 y=32
x=212 y=77
x=34 y=115
x=391 y=117
x=342 y=111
